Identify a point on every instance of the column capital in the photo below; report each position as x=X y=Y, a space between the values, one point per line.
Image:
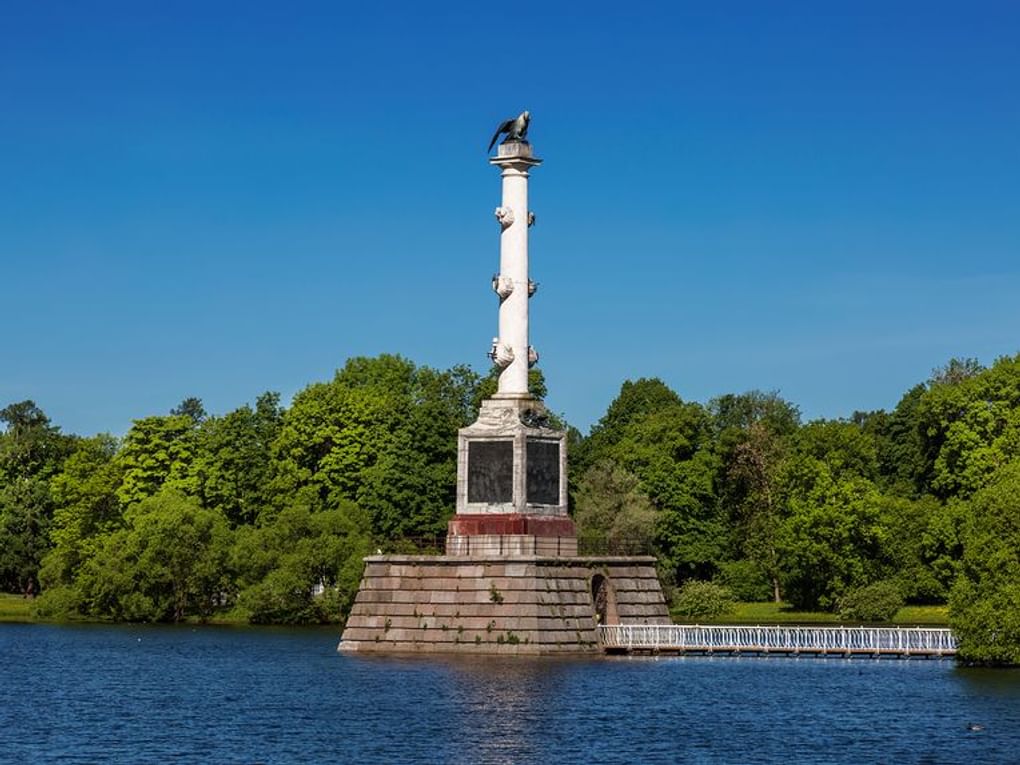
x=515 y=155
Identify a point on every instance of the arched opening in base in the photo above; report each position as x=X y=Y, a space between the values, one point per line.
x=603 y=600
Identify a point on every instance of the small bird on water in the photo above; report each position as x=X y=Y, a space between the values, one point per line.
x=975 y=727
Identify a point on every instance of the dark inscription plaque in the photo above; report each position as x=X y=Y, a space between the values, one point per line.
x=543 y=472
x=490 y=471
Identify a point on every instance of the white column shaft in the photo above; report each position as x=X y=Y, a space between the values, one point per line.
x=513 y=263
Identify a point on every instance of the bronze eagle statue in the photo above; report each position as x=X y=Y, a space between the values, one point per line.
x=516 y=129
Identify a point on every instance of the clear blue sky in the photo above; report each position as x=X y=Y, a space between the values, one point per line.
x=216 y=199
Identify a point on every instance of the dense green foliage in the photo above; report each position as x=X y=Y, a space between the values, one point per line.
x=702 y=600
x=985 y=600
x=858 y=513
x=613 y=515
x=877 y=602
x=265 y=512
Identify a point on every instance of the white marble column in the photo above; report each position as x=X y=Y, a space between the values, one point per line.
x=511 y=350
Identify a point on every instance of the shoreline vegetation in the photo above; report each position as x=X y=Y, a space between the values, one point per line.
x=17 y=609
x=782 y=613
x=263 y=515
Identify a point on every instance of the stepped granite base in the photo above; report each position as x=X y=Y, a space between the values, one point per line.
x=498 y=605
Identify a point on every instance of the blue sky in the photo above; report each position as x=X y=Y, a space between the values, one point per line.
x=216 y=199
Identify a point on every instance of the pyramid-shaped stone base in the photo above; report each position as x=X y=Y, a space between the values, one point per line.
x=491 y=604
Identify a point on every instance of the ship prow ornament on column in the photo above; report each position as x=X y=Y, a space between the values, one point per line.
x=511 y=580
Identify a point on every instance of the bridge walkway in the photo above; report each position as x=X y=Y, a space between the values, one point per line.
x=778 y=639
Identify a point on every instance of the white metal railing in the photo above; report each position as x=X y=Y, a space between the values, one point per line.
x=906 y=641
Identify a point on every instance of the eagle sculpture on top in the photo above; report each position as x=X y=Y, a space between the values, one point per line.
x=516 y=129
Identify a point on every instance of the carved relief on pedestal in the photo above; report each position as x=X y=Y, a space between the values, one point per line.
x=503 y=286
x=494 y=416
x=505 y=216
x=502 y=355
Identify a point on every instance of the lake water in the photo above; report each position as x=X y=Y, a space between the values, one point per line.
x=218 y=695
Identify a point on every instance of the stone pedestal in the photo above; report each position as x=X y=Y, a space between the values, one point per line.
x=485 y=604
x=511 y=484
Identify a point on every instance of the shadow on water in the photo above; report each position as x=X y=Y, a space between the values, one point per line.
x=988 y=681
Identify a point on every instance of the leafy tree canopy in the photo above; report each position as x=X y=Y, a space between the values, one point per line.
x=970 y=425
x=985 y=600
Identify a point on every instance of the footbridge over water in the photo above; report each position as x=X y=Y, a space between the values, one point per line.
x=781 y=640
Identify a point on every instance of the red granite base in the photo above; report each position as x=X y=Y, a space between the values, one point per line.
x=511 y=524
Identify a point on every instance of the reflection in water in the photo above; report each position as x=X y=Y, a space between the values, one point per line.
x=505 y=700
x=499 y=702
x=983 y=681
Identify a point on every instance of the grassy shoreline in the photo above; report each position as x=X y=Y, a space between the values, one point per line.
x=781 y=613
x=14 y=609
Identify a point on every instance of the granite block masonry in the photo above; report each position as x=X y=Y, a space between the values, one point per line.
x=506 y=605
x=511 y=580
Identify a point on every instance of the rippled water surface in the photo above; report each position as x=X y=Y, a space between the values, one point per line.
x=217 y=695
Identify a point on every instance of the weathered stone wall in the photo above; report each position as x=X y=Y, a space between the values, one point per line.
x=528 y=605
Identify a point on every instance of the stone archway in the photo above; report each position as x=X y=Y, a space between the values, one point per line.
x=603 y=600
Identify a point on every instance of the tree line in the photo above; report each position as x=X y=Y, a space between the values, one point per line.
x=266 y=512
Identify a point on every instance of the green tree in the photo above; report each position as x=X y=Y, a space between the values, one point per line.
x=667 y=444
x=636 y=400
x=745 y=580
x=26 y=510
x=303 y=567
x=382 y=434
x=231 y=467
x=752 y=470
x=85 y=496
x=31 y=445
x=917 y=551
x=734 y=413
x=832 y=539
x=32 y=450
x=191 y=407
x=941 y=546
x=902 y=465
x=613 y=515
x=970 y=423
x=702 y=600
x=956 y=371
x=985 y=600
x=752 y=431
x=876 y=602
x=169 y=562
x=845 y=447
x=411 y=491
x=157 y=452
